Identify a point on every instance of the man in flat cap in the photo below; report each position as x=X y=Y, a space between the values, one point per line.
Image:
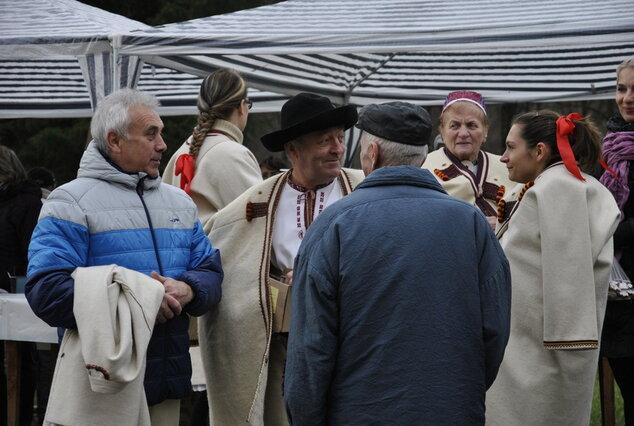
x=258 y=235
x=401 y=294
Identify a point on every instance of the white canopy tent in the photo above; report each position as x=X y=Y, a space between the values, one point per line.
x=64 y=30
x=56 y=89
x=416 y=50
x=56 y=60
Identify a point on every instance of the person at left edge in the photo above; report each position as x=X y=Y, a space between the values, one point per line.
x=117 y=211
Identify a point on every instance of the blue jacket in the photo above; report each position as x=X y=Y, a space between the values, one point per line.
x=401 y=302
x=107 y=216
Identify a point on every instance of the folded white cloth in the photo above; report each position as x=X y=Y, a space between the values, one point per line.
x=100 y=368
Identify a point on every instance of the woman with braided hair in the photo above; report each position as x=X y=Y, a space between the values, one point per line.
x=557 y=236
x=213 y=166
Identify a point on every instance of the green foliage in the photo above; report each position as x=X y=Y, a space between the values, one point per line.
x=595 y=417
x=56 y=144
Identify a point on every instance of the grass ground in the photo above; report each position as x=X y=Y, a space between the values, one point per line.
x=595 y=419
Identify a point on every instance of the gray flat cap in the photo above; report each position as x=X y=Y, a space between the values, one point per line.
x=400 y=122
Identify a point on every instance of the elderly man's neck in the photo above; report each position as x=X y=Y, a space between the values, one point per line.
x=308 y=182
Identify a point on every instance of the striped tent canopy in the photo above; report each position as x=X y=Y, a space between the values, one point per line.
x=57 y=89
x=415 y=50
x=61 y=32
x=57 y=60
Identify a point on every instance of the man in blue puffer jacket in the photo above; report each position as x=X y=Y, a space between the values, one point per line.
x=117 y=211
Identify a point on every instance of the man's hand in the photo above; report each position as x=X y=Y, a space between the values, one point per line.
x=288 y=277
x=169 y=309
x=177 y=295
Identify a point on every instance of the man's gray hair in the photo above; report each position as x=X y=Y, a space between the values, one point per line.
x=112 y=114
x=398 y=154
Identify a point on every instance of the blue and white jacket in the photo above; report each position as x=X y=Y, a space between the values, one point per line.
x=107 y=216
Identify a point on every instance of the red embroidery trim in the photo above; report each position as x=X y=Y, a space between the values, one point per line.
x=254 y=210
x=100 y=369
x=441 y=175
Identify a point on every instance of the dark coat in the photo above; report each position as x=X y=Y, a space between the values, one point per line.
x=401 y=304
x=617 y=339
x=20 y=205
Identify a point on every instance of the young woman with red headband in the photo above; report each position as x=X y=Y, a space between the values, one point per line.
x=617 y=343
x=557 y=234
x=213 y=166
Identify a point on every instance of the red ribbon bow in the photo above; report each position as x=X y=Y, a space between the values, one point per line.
x=565 y=127
x=186 y=164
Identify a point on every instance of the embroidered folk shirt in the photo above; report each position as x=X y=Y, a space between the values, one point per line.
x=297 y=209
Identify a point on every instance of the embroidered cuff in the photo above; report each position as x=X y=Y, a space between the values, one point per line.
x=572 y=344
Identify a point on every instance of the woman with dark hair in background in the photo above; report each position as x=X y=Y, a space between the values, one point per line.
x=213 y=166
x=618 y=150
x=557 y=235
x=20 y=204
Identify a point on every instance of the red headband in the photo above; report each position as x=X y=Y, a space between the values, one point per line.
x=185 y=164
x=565 y=127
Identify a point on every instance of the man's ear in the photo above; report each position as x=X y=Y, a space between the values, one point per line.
x=375 y=155
x=113 y=139
x=291 y=151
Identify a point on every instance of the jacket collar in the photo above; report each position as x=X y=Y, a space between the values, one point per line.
x=401 y=175
x=96 y=165
x=227 y=128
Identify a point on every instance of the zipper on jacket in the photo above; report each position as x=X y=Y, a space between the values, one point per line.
x=139 y=191
x=163 y=386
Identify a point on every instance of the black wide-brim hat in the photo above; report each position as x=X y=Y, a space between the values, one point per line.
x=305 y=113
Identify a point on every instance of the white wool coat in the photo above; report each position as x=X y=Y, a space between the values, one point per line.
x=235 y=336
x=99 y=373
x=463 y=185
x=559 y=245
x=224 y=169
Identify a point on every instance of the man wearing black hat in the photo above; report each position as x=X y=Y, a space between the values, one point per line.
x=401 y=294
x=258 y=235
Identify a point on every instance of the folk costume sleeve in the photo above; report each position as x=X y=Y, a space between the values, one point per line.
x=205 y=274
x=569 y=295
x=314 y=329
